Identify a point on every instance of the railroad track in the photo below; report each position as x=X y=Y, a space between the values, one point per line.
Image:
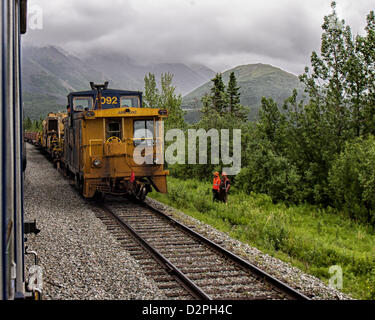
x=183 y=263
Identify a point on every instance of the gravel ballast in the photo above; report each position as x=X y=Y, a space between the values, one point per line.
x=79 y=257
x=285 y=272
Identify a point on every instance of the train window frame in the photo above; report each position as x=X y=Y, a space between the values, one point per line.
x=56 y=126
x=144 y=140
x=131 y=97
x=113 y=133
x=82 y=97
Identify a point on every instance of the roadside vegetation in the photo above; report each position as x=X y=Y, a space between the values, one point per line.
x=306 y=189
x=309 y=237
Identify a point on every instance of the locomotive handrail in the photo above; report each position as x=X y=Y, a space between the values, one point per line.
x=113 y=138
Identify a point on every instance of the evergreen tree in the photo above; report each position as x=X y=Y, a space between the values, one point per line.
x=27 y=124
x=206 y=111
x=233 y=94
x=218 y=94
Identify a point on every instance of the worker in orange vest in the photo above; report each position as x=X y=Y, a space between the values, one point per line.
x=224 y=188
x=216 y=186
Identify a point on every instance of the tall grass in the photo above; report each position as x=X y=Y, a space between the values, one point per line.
x=309 y=237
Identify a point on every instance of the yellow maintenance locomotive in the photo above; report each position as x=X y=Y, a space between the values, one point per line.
x=52 y=135
x=113 y=145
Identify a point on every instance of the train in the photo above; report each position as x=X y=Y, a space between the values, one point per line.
x=52 y=135
x=14 y=282
x=32 y=137
x=107 y=143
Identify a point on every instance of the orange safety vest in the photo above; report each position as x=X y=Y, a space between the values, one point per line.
x=216 y=183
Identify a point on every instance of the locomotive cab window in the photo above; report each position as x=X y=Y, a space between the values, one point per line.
x=129 y=102
x=52 y=125
x=82 y=103
x=113 y=128
x=143 y=132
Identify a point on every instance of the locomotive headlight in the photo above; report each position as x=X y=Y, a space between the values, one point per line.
x=90 y=114
x=97 y=163
x=163 y=112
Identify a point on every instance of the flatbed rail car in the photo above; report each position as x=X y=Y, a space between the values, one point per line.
x=31 y=137
x=107 y=135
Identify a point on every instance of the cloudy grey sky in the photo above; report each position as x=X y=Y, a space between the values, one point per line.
x=218 y=33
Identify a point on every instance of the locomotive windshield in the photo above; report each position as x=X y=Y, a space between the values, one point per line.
x=143 y=132
x=129 y=101
x=82 y=103
x=52 y=125
x=114 y=128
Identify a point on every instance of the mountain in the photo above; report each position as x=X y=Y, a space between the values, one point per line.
x=124 y=70
x=50 y=73
x=255 y=81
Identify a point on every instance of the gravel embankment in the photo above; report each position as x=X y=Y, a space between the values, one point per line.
x=79 y=257
x=294 y=277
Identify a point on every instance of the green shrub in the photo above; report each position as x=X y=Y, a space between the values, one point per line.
x=276 y=235
x=352 y=179
x=268 y=173
x=202 y=204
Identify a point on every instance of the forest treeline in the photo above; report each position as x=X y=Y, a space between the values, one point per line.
x=319 y=148
x=32 y=125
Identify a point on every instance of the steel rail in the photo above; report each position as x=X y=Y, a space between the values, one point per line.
x=245 y=264
x=187 y=283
